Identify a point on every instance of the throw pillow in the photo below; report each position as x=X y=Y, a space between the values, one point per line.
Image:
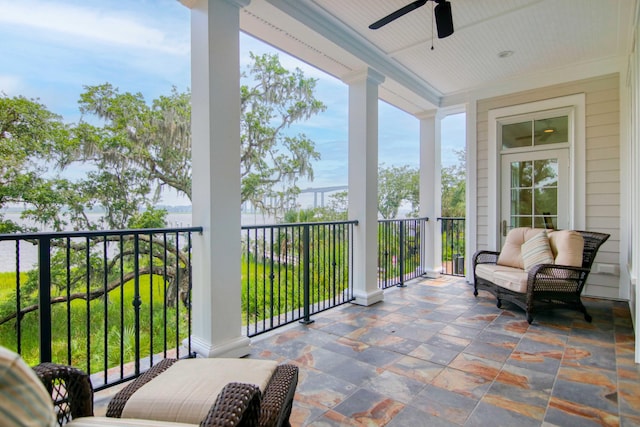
x=536 y=251
x=25 y=401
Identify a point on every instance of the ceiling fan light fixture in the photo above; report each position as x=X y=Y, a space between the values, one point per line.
x=444 y=19
x=442 y=15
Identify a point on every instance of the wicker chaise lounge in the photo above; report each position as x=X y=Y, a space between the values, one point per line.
x=555 y=283
x=237 y=404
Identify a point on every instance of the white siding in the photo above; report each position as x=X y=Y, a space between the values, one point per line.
x=602 y=165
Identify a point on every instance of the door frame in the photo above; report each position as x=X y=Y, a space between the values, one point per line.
x=575 y=105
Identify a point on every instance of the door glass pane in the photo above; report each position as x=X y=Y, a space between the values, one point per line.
x=517 y=135
x=534 y=193
x=546 y=221
x=521 y=174
x=520 y=221
x=551 y=131
x=546 y=201
x=546 y=173
x=521 y=202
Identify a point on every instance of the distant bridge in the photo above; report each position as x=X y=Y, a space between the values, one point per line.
x=248 y=208
x=322 y=191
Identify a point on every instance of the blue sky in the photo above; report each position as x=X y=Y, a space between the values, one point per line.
x=50 y=49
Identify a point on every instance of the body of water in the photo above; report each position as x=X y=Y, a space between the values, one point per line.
x=28 y=253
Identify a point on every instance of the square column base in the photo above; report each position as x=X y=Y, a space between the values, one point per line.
x=367 y=299
x=237 y=347
x=432 y=274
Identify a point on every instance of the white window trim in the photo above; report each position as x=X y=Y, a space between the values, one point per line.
x=577 y=159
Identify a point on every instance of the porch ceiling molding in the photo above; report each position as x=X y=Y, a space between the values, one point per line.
x=536 y=80
x=191 y=3
x=329 y=27
x=369 y=74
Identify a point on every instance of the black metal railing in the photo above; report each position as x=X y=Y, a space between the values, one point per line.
x=292 y=271
x=115 y=302
x=401 y=245
x=453 y=245
x=104 y=301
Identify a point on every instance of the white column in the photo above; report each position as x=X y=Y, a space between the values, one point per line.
x=430 y=190
x=363 y=183
x=215 y=124
x=471 y=200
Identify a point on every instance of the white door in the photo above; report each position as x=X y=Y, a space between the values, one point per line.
x=535 y=190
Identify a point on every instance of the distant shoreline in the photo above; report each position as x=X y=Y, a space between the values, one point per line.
x=170 y=209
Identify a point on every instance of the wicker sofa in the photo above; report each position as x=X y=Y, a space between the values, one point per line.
x=237 y=404
x=539 y=280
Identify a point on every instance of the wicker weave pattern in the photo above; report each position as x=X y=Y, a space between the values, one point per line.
x=237 y=405
x=277 y=400
x=116 y=405
x=548 y=285
x=70 y=389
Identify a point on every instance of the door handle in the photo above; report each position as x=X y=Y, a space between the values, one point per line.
x=504 y=228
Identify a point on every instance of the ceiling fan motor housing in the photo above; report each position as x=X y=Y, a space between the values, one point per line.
x=442 y=13
x=444 y=19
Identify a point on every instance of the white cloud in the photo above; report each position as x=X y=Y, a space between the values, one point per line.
x=80 y=23
x=10 y=85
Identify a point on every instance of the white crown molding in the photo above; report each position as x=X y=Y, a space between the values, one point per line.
x=240 y=3
x=325 y=24
x=539 y=79
x=369 y=74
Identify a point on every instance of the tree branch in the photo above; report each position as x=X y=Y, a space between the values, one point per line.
x=97 y=293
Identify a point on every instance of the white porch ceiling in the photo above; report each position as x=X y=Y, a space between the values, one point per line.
x=552 y=41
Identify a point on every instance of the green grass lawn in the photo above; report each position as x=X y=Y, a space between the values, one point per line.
x=80 y=326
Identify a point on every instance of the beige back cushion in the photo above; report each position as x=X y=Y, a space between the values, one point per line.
x=567 y=246
x=511 y=253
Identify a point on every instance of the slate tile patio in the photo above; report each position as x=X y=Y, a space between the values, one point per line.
x=432 y=354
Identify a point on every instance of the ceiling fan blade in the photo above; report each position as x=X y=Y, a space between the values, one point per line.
x=398 y=13
x=444 y=19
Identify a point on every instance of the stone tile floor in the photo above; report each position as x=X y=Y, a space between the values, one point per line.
x=431 y=354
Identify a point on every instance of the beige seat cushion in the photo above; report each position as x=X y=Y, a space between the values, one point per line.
x=515 y=280
x=123 y=422
x=511 y=278
x=186 y=391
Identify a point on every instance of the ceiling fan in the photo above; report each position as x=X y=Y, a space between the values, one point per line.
x=442 y=12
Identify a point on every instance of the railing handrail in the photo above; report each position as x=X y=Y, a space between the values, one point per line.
x=298 y=224
x=95 y=233
x=425 y=218
x=453 y=245
x=451 y=217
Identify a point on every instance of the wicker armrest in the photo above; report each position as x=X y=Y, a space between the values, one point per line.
x=237 y=404
x=485 y=257
x=277 y=400
x=556 y=278
x=70 y=390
